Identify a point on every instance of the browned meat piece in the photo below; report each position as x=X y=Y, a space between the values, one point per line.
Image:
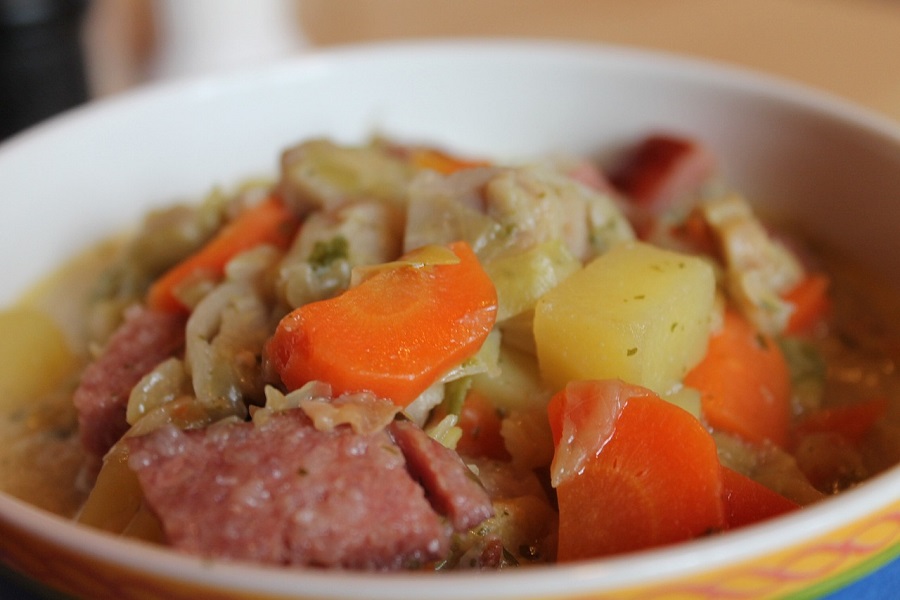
x=662 y=170
x=451 y=487
x=283 y=492
x=144 y=339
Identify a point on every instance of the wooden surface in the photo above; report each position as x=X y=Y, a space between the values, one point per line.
x=847 y=47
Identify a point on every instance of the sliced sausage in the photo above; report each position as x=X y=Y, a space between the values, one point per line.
x=143 y=340
x=451 y=487
x=282 y=492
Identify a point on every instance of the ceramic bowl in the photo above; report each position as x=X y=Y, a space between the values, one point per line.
x=806 y=157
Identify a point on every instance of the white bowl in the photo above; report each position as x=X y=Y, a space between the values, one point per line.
x=808 y=158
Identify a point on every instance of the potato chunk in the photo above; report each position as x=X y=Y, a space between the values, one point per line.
x=637 y=313
x=34 y=356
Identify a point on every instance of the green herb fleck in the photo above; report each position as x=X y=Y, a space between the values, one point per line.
x=326 y=252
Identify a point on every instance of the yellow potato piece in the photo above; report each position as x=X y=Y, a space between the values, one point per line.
x=638 y=313
x=34 y=356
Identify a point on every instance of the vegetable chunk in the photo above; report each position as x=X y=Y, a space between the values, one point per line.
x=748 y=502
x=650 y=474
x=269 y=222
x=34 y=356
x=395 y=333
x=745 y=383
x=637 y=313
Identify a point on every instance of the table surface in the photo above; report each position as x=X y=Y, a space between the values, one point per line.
x=849 y=48
x=845 y=47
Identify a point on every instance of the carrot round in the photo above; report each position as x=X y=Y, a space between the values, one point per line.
x=747 y=501
x=394 y=334
x=269 y=222
x=811 y=302
x=480 y=425
x=744 y=382
x=655 y=479
x=851 y=421
x=443 y=163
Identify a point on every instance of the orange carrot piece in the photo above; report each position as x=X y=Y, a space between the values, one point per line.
x=811 y=302
x=744 y=382
x=656 y=480
x=696 y=232
x=747 y=501
x=851 y=421
x=394 y=334
x=480 y=424
x=443 y=163
x=269 y=222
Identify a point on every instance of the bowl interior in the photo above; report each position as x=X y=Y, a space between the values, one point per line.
x=832 y=169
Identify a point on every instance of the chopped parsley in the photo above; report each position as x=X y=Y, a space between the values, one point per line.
x=326 y=252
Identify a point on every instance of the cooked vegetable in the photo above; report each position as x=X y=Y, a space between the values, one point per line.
x=748 y=502
x=535 y=204
x=115 y=498
x=394 y=334
x=480 y=424
x=34 y=356
x=515 y=384
x=759 y=269
x=745 y=383
x=811 y=304
x=321 y=174
x=522 y=278
x=269 y=222
x=649 y=473
x=850 y=421
x=638 y=313
x=442 y=162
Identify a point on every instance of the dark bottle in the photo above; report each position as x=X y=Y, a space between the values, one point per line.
x=42 y=70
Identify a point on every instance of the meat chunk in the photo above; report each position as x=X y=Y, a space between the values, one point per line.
x=142 y=341
x=662 y=170
x=450 y=485
x=283 y=492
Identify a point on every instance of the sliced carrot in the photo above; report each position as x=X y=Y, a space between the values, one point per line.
x=747 y=501
x=696 y=232
x=744 y=382
x=480 y=424
x=584 y=415
x=655 y=479
x=394 y=334
x=436 y=160
x=269 y=222
x=811 y=302
x=851 y=421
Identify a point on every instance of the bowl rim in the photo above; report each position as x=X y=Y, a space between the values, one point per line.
x=318 y=59
x=591 y=576
x=618 y=572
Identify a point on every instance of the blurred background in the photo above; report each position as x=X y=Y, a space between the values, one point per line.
x=59 y=53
